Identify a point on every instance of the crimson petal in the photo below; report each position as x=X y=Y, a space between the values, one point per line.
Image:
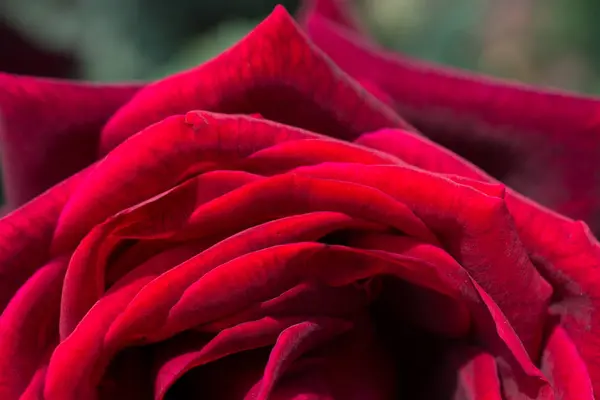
x=50 y=130
x=543 y=143
x=564 y=251
x=565 y=369
x=29 y=329
x=26 y=236
x=334 y=10
x=475 y=227
x=473 y=371
x=274 y=71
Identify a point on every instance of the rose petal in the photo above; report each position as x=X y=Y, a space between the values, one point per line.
x=90 y=331
x=102 y=331
x=264 y=273
x=50 y=130
x=158 y=297
x=274 y=71
x=159 y=158
x=243 y=337
x=568 y=255
x=35 y=390
x=163 y=155
x=421 y=152
x=283 y=157
x=565 y=369
x=520 y=376
x=337 y=11
x=416 y=304
x=292 y=343
x=470 y=374
x=476 y=228
x=29 y=329
x=164 y=214
x=233 y=377
x=354 y=366
x=542 y=143
x=26 y=236
x=564 y=251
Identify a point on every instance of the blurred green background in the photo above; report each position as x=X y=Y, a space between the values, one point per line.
x=546 y=42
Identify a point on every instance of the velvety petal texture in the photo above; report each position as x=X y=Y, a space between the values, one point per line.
x=263 y=227
x=50 y=129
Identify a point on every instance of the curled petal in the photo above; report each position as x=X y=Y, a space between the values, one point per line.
x=475 y=227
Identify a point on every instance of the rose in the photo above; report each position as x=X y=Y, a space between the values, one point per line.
x=542 y=143
x=317 y=247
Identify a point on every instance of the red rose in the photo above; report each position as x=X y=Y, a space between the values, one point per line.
x=292 y=238
x=544 y=144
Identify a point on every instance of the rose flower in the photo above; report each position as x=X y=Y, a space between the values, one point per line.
x=264 y=227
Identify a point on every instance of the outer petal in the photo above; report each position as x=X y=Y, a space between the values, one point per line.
x=274 y=71
x=50 y=130
x=544 y=144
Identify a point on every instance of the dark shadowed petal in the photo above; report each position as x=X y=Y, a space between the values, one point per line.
x=236 y=376
x=306 y=299
x=544 y=144
x=294 y=342
x=243 y=337
x=35 y=390
x=264 y=273
x=50 y=129
x=274 y=71
x=353 y=366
